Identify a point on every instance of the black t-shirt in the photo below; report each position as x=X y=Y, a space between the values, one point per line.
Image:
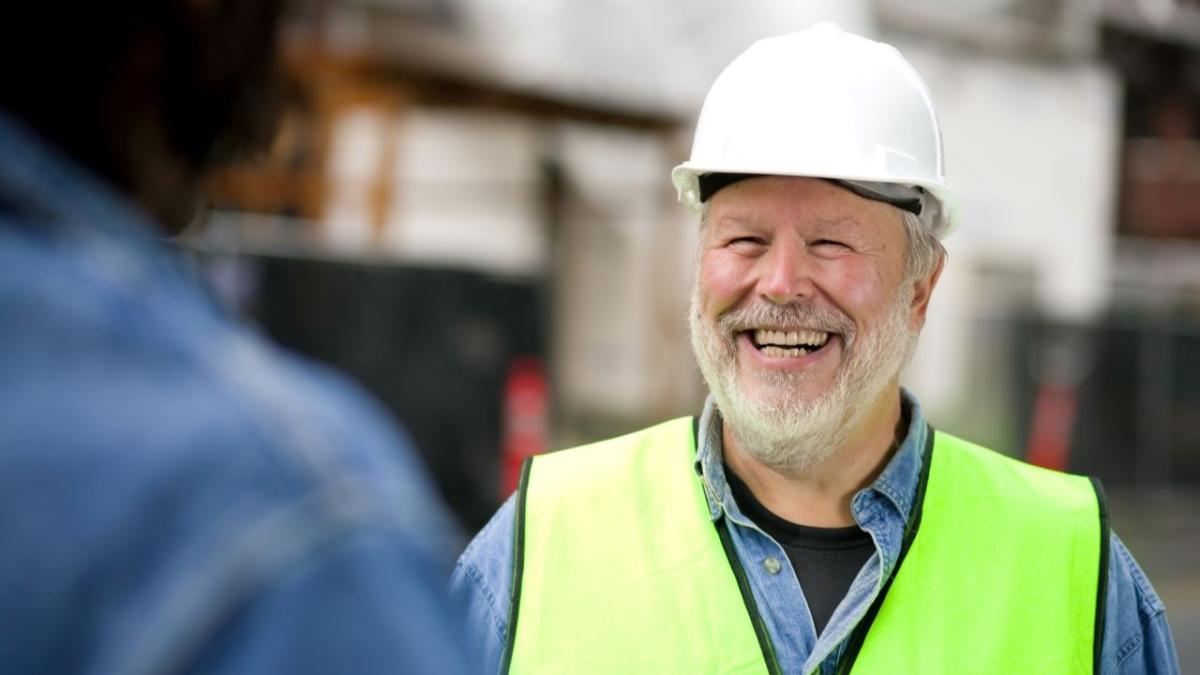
x=826 y=559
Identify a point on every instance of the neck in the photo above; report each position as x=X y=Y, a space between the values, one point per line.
x=820 y=495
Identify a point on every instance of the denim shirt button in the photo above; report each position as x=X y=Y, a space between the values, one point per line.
x=771 y=565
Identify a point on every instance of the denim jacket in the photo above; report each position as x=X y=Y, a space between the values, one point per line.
x=176 y=495
x=1136 y=637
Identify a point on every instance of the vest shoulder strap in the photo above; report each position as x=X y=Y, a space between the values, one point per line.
x=1004 y=572
x=622 y=565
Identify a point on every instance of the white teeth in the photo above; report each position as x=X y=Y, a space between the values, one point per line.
x=812 y=338
x=780 y=352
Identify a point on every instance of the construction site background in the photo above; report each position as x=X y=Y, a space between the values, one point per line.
x=468 y=209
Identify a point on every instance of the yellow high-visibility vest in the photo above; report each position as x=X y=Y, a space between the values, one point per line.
x=618 y=568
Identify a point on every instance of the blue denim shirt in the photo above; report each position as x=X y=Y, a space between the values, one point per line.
x=176 y=495
x=1136 y=637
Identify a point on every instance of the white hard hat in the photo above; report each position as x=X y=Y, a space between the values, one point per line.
x=824 y=103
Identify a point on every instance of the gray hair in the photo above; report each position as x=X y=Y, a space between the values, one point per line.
x=925 y=251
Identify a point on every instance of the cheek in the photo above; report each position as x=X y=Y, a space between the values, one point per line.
x=724 y=279
x=858 y=288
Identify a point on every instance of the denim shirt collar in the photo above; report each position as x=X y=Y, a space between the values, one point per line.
x=896 y=485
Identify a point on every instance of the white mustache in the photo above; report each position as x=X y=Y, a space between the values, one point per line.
x=765 y=314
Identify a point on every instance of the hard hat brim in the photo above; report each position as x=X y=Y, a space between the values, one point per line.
x=685 y=178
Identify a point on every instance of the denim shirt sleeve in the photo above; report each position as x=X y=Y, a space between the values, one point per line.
x=481 y=584
x=1137 y=640
x=339 y=610
x=177 y=495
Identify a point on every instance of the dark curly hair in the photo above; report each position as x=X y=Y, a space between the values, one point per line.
x=96 y=79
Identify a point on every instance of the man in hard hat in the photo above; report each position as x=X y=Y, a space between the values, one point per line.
x=810 y=519
x=176 y=496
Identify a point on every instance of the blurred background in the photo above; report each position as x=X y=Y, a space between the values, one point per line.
x=468 y=209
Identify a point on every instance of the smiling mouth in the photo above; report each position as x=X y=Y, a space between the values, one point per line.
x=787 y=343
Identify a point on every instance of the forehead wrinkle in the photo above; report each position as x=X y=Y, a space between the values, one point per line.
x=739 y=218
x=857 y=225
x=838 y=222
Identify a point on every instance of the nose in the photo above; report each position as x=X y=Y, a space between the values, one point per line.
x=786 y=272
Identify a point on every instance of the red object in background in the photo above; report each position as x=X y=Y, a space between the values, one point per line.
x=525 y=419
x=1161 y=189
x=1050 y=431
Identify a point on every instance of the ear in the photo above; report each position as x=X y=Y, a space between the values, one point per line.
x=922 y=292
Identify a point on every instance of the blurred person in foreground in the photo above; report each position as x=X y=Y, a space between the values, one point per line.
x=175 y=495
x=810 y=520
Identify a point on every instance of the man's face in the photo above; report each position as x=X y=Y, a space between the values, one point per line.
x=801 y=317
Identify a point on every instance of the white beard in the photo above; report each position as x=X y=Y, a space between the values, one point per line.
x=783 y=430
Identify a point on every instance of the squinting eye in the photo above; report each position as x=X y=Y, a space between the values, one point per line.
x=829 y=243
x=747 y=243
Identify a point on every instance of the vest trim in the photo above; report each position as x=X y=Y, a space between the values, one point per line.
x=1102 y=582
x=760 y=629
x=514 y=602
x=855 y=642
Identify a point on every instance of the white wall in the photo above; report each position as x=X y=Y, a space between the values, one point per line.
x=1031 y=151
x=620 y=344
x=464 y=189
x=467 y=192
x=356 y=153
